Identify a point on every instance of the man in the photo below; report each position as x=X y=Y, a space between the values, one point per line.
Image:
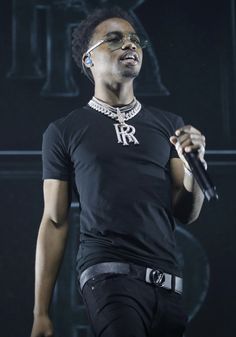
x=131 y=184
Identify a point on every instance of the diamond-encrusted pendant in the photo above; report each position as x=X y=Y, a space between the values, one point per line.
x=120 y=116
x=125 y=134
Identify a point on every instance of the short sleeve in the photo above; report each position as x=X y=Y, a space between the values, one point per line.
x=55 y=159
x=179 y=123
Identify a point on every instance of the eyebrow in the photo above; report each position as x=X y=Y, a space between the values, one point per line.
x=120 y=33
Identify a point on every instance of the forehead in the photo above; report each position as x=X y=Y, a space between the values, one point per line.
x=112 y=25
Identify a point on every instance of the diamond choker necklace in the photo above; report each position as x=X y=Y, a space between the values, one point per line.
x=124 y=132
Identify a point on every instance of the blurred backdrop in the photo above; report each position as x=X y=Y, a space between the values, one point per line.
x=189 y=69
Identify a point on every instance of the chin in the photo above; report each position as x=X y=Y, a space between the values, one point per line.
x=129 y=73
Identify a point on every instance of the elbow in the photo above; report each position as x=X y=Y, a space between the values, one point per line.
x=58 y=223
x=185 y=208
x=55 y=220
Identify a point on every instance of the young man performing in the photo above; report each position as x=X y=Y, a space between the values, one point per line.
x=132 y=180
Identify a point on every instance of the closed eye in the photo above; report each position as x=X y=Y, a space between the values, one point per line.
x=113 y=39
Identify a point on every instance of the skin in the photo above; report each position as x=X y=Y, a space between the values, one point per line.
x=113 y=85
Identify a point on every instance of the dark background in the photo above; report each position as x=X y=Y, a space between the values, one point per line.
x=195 y=43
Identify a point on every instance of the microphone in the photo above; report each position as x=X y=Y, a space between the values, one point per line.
x=201 y=175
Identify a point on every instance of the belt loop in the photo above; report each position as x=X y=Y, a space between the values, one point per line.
x=173 y=282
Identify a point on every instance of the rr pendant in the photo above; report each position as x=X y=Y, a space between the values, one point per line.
x=125 y=134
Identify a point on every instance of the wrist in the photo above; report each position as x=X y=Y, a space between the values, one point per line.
x=188 y=171
x=38 y=313
x=188 y=181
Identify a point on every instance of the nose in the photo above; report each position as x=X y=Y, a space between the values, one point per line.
x=127 y=43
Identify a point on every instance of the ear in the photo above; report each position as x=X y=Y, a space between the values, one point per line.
x=87 y=61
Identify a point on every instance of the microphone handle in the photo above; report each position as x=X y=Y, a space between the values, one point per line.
x=201 y=175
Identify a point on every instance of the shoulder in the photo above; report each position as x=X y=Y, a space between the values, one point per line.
x=69 y=119
x=166 y=118
x=66 y=123
x=161 y=114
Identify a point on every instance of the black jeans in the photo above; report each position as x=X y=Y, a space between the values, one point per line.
x=121 y=306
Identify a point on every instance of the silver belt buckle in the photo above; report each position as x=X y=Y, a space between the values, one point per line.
x=157 y=277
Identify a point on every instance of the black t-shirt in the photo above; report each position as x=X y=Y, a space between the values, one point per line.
x=124 y=191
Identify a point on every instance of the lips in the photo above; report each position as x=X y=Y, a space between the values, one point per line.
x=129 y=57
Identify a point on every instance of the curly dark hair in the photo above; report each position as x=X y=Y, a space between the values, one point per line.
x=83 y=32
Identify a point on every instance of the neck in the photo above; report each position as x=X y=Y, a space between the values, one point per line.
x=115 y=94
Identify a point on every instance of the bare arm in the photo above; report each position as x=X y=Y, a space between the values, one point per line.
x=49 y=252
x=187 y=195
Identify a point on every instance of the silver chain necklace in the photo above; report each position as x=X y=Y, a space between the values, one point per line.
x=124 y=132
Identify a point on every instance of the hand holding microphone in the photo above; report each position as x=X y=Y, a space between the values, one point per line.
x=190 y=145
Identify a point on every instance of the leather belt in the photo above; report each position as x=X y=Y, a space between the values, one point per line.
x=149 y=275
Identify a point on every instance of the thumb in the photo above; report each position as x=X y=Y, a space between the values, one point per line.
x=173 y=140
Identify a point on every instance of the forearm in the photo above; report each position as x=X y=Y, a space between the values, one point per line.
x=188 y=200
x=49 y=252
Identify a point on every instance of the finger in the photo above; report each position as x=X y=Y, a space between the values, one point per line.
x=187 y=129
x=197 y=140
x=179 y=148
x=173 y=140
x=192 y=139
x=183 y=138
x=195 y=147
x=192 y=136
